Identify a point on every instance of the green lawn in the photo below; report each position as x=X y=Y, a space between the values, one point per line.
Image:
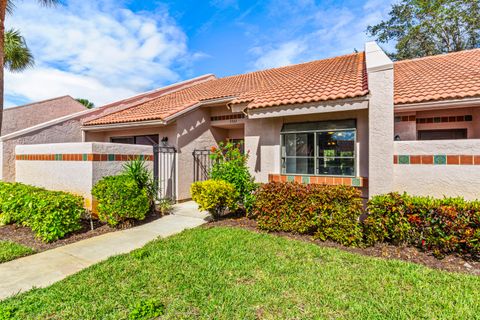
x=228 y=273
x=11 y=250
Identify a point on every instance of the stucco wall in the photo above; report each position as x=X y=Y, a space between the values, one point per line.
x=18 y=118
x=407 y=130
x=77 y=176
x=262 y=140
x=193 y=132
x=380 y=119
x=68 y=131
x=438 y=180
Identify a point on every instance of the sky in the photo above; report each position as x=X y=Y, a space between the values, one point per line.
x=106 y=50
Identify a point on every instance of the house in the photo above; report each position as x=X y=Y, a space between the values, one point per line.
x=18 y=120
x=357 y=119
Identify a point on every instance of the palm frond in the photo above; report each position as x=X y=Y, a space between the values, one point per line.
x=49 y=3
x=18 y=56
x=10 y=6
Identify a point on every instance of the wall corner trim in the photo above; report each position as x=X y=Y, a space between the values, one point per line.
x=376 y=59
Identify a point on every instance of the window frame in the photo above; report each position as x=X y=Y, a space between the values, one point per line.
x=316 y=157
x=134 y=137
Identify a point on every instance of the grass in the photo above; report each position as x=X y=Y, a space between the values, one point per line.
x=10 y=250
x=228 y=273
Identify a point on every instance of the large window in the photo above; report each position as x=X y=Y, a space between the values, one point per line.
x=319 y=148
x=142 y=140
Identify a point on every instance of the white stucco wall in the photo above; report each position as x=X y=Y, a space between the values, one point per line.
x=380 y=120
x=438 y=180
x=77 y=177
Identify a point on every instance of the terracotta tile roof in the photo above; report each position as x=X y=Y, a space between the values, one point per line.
x=449 y=76
x=321 y=80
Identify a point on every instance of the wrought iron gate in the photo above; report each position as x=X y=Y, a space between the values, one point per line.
x=202 y=163
x=165 y=170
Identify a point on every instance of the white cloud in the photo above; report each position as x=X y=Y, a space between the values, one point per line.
x=282 y=55
x=97 y=50
x=310 y=31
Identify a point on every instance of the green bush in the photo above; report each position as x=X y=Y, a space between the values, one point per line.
x=214 y=196
x=50 y=214
x=120 y=198
x=449 y=225
x=327 y=212
x=138 y=171
x=230 y=164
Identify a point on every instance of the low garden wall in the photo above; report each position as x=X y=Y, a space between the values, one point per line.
x=438 y=168
x=74 y=167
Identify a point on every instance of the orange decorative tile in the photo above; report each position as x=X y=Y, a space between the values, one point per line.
x=415 y=160
x=476 y=160
x=466 y=160
x=453 y=159
x=427 y=159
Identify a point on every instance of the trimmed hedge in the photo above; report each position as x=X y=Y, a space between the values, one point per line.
x=327 y=212
x=120 y=198
x=50 y=214
x=449 y=225
x=214 y=196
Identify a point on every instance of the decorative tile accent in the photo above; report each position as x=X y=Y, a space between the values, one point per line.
x=440 y=159
x=354 y=182
x=81 y=157
x=402 y=159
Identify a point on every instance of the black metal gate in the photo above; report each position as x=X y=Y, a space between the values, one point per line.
x=202 y=163
x=165 y=170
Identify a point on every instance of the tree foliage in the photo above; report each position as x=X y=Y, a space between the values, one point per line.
x=87 y=103
x=18 y=56
x=428 y=27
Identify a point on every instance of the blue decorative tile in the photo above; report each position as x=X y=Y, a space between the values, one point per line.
x=440 y=159
x=402 y=159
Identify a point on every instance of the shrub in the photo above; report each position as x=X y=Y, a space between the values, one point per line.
x=138 y=171
x=214 y=196
x=50 y=214
x=327 y=212
x=442 y=225
x=120 y=198
x=230 y=164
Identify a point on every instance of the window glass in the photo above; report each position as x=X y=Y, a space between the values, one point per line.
x=300 y=165
x=299 y=144
x=336 y=166
x=336 y=143
x=319 y=151
x=124 y=140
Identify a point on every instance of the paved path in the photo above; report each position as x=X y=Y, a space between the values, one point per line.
x=45 y=268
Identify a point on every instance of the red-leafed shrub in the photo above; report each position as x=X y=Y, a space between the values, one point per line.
x=327 y=212
x=449 y=225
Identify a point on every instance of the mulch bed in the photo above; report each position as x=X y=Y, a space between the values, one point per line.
x=452 y=263
x=25 y=236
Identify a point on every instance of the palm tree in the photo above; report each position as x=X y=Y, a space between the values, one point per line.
x=7 y=6
x=17 y=55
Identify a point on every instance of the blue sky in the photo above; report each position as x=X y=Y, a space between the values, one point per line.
x=105 y=50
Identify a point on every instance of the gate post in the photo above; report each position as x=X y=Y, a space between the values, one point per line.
x=155 y=164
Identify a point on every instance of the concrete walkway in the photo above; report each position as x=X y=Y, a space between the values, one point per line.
x=48 y=267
